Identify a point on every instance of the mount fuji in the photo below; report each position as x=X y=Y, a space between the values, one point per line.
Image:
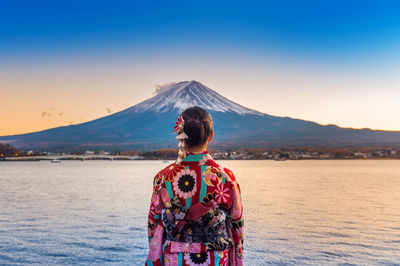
x=149 y=125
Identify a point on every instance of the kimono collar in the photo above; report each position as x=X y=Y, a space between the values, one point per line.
x=196 y=156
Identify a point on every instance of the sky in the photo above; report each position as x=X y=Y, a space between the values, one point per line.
x=332 y=62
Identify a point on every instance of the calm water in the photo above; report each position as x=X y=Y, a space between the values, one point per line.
x=297 y=212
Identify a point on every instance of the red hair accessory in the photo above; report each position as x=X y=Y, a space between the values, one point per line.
x=179 y=125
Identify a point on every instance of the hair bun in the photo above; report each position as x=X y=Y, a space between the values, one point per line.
x=198 y=126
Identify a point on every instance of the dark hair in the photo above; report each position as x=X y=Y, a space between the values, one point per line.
x=198 y=126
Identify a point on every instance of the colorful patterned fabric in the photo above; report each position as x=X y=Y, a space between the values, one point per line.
x=216 y=238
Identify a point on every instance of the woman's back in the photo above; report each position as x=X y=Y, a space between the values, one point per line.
x=195 y=215
x=207 y=240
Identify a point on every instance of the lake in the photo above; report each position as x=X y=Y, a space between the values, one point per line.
x=341 y=212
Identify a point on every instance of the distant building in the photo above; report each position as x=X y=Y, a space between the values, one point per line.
x=360 y=154
x=325 y=156
x=380 y=153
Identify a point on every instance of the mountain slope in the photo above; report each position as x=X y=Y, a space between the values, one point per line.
x=186 y=94
x=148 y=125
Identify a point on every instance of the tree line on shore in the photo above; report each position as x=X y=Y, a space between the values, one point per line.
x=7 y=150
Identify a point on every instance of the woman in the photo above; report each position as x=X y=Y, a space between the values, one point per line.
x=195 y=215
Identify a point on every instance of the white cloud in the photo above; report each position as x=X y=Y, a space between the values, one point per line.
x=164 y=87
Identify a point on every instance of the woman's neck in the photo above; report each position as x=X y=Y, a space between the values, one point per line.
x=196 y=149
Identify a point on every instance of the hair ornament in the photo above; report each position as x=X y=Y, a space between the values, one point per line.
x=181 y=136
x=181 y=144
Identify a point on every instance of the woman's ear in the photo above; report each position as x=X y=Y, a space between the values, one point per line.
x=211 y=136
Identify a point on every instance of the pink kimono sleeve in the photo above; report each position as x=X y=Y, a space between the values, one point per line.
x=235 y=214
x=154 y=225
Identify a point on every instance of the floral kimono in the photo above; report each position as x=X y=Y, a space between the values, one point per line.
x=195 y=215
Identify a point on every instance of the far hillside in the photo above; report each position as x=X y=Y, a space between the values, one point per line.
x=8 y=150
x=148 y=126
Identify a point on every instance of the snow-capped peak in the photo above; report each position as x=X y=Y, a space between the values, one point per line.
x=186 y=94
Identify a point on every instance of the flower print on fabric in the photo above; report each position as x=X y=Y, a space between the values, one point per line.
x=185 y=183
x=210 y=175
x=229 y=175
x=239 y=231
x=183 y=247
x=155 y=247
x=222 y=193
x=237 y=207
x=179 y=215
x=206 y=159
x=171 y=171
x=213 y=175
x=157 y=183
x=223 y=255
x=170 y=259
x=197 y=242
x=209 y=197
x=197 y=259
x=152 y=211
x=222 y=175
x=151 y=227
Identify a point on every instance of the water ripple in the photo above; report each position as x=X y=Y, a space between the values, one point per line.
x=112 y=249
x=297 y=213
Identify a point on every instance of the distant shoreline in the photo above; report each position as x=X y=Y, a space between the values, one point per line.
x=33 y=159
x=231 y=154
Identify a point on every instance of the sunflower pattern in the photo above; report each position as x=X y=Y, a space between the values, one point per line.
x=185 y=183
x=168 y=173
x=176 y=188
x=197 y=259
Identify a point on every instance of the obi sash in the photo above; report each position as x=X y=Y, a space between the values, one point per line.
x=202 y=225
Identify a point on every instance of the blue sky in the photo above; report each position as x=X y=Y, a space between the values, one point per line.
x=39 y=39
x=315 y=28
